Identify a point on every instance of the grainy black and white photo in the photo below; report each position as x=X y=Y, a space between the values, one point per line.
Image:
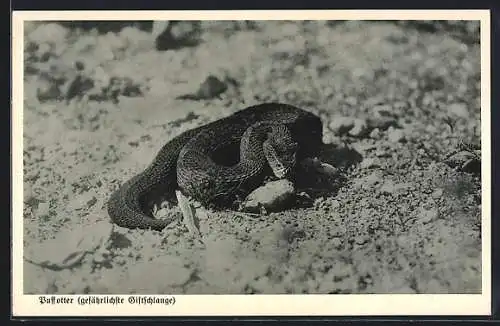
x=252 y=157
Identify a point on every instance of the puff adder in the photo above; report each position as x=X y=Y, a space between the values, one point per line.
x=220 y=161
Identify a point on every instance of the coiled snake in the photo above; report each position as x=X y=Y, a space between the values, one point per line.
x=205 y=162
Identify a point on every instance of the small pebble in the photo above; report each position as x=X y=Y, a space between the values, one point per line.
x=210 y=88
x=395 y=135
x=159 y=27
x=459 y=159
x=383 y=111
x=375 y=134
x=273 y=196
x=427 y=216
x=78 y=86
x=341 y=125
x=43 y=209
x=360 y=128
x=100 y=77
x=383 y=117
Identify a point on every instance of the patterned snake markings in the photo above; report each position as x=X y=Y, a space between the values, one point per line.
x=220 y=161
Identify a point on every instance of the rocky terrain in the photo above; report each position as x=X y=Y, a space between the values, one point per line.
x=399 y=104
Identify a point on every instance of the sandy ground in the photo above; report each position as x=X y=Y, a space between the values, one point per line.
x=394 y=100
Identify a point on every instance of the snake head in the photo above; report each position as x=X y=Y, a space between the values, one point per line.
x=280 y=150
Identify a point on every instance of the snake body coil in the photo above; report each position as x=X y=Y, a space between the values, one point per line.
x=219 y=161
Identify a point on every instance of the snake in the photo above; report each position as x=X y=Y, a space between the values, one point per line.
x=220 y=162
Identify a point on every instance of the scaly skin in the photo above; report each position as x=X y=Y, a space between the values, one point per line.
x=185 y=159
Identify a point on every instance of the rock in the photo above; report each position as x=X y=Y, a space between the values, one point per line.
x=100 y=77
x=383 y=117
x=472 y=166
x=464 y=161
x=375 y=134
x=77 y=87
x=341 y=125
x=210 y=88
x=395 y=135
x=273 y=196
x=360 y=128
x=459 y=110
x=43 y=209
x=319 y=167
x=159 y=27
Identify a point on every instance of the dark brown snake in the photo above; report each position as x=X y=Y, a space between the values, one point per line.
x=220 y=161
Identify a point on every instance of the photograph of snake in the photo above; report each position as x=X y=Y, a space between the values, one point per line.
x=252 y=157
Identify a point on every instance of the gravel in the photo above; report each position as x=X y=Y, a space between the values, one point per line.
x=394 y=96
